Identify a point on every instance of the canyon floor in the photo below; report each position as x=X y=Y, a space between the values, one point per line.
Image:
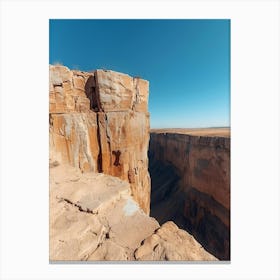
x=215 y=131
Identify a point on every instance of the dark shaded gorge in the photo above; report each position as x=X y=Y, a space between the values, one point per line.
x=196 y=212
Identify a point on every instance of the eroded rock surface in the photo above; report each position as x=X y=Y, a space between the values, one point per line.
x=171 y=243
x=99 y=122
x=93 y=217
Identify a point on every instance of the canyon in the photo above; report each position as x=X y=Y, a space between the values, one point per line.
x=118 y=192
x=191 y=184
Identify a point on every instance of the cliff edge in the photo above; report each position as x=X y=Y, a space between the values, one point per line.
x=99 y=180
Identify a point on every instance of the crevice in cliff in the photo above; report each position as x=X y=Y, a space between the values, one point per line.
x=92 y=93
x=50 y=120
x=107 y=132
x=99 y=157
x=136 y=97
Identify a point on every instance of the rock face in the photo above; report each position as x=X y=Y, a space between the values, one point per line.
x=171 y=243
x=99 y=179
x=196 y=175
x=93 y=218
x=99 y=122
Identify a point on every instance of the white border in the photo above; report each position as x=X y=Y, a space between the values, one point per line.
x=255 y=137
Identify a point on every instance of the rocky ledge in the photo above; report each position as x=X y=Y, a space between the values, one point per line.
x=93 y=217
x=100 y=186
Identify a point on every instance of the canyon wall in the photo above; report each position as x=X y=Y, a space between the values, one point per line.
x=191 y=186
x=99 y=122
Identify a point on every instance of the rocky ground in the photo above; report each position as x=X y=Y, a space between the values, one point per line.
x=93 y=217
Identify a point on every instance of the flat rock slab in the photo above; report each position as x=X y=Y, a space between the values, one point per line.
x=94 y=217
x=128 y=223
x=74 y=235
x=91 y=191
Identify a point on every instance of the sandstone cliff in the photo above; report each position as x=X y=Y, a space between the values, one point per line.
x=99 y=128
x=100 y=122
x=191 y=186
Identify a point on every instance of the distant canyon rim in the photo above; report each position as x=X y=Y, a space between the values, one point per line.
x=120 y=191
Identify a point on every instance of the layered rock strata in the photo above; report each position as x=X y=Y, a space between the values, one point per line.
x=191 y=186
x=99 y=122
x=94 y=218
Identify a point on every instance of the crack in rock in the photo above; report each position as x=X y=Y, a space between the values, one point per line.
x=78 y=206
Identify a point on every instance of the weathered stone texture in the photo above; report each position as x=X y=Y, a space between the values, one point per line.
x=100 y=122
x=119 y=92
x=173 y=244
x=124 y=140
x=94 y=218
x=67 y=93
x=73 y=139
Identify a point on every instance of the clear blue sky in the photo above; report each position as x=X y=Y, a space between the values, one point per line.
x=187 y=63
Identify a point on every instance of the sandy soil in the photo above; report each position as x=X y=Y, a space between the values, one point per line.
x=219 y=131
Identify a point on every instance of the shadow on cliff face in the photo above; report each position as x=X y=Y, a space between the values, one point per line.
x=165 y=193
x=192 y=211
x=92 y=93
x=201 y=220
